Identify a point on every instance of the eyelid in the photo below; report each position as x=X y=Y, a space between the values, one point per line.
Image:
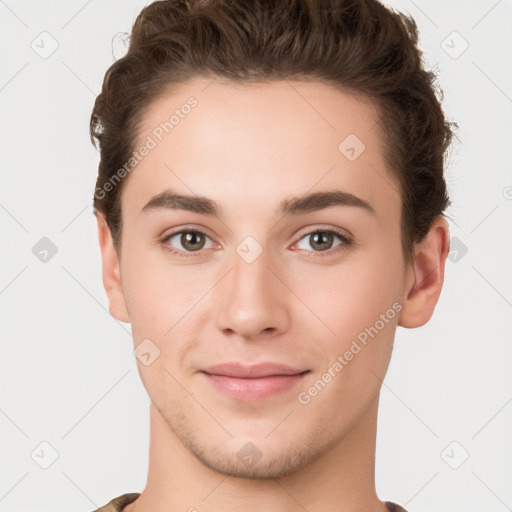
x=164 y=239
x=346 y=242
x=323 y=227
x=187 y=227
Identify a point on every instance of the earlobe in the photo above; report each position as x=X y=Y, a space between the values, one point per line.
x=426 y=276
x=110 y=272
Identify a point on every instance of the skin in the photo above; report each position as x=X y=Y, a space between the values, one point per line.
x=248 y=148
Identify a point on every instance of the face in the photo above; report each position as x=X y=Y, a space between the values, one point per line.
x=287 y=251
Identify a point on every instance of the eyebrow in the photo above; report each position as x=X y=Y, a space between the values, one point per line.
x=170 y=200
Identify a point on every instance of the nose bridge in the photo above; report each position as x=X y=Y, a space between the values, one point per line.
x=250 y=270
x=252 y=297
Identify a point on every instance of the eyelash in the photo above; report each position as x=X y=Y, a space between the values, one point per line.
x=346 y=242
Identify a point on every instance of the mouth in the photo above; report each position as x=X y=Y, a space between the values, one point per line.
x=252 y=383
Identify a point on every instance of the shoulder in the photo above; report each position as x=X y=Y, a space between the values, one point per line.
x=117 y=504
x=393 y=507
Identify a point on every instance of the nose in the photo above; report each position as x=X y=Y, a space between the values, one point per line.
x=252 y=299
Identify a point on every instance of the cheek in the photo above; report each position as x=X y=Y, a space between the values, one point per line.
x=353 y=296
x=146 y=294
x=359 y=303
x=159 y=294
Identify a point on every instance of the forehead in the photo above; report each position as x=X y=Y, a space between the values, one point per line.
x=241 y=143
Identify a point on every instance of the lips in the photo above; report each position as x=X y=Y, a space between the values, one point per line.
x=251 y=383
x=252 y=372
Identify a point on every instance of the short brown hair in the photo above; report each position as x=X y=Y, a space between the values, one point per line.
x=359 y=46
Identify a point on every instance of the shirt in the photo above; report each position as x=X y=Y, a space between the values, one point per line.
x=117 y=504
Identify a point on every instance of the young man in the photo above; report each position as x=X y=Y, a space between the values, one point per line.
x=270 y=207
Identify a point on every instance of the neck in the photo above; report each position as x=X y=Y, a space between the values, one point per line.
x=341 y=479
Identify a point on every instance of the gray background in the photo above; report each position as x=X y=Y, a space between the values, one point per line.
x=68 y=377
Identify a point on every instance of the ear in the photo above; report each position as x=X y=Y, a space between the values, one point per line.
x=111 y=273
x=425 y=276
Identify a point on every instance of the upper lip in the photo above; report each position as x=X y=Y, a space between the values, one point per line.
x=252 y=371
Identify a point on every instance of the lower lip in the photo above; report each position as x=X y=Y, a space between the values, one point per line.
x=253 y=389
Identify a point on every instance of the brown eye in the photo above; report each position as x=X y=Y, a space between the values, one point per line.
x=192 y=240
x=187 y=241
x=321 y=240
